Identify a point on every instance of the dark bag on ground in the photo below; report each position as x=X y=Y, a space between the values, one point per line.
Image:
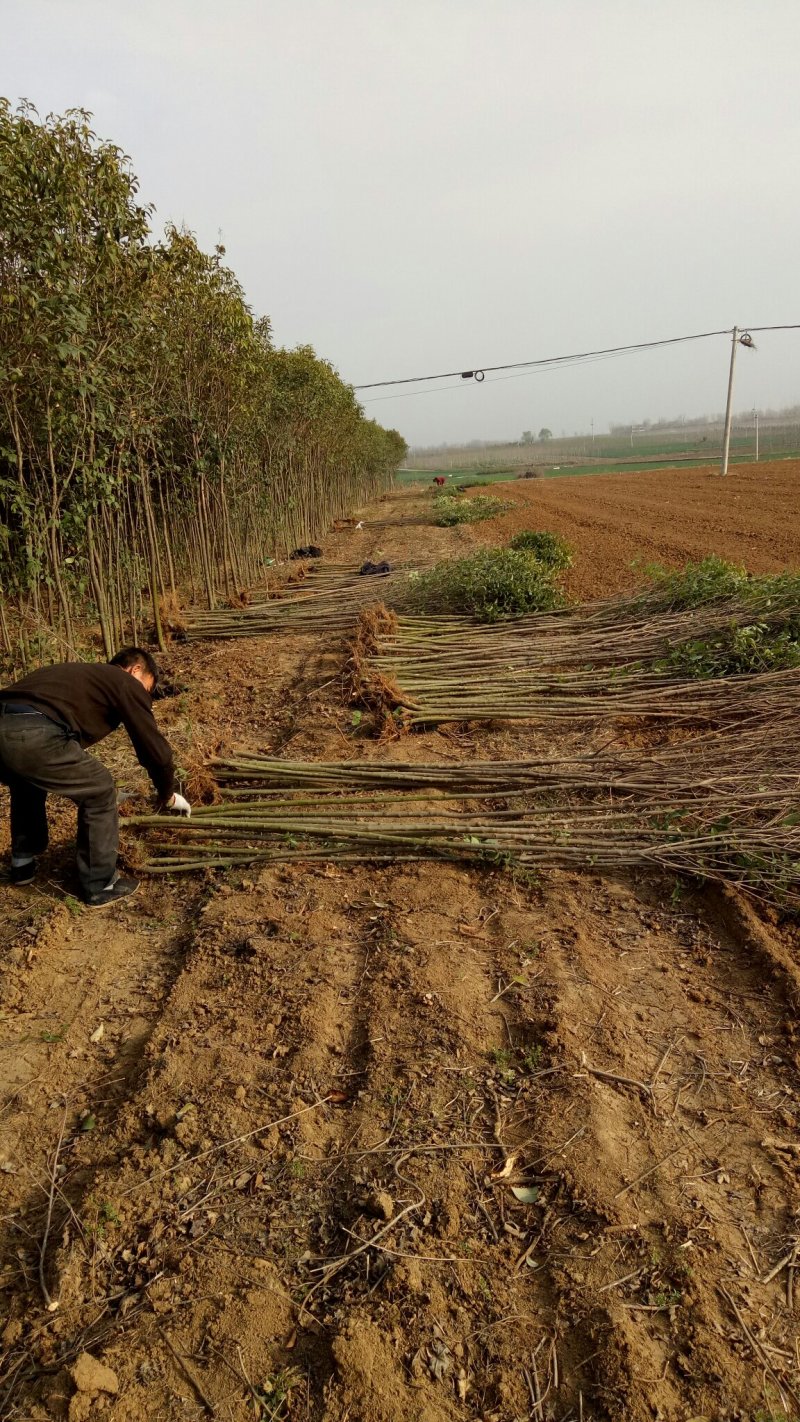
x=368 y=569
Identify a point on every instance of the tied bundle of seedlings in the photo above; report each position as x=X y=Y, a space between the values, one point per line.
x=605 y=659
x=327 y=599
x=490 y=691
x=713 y=809
x=589 y=636
x=645 y=626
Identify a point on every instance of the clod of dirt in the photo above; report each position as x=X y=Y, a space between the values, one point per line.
x=93 y=1377
x=380 y=1203
x=12 y=1333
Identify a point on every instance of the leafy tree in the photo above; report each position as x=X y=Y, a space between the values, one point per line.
x=152 y=439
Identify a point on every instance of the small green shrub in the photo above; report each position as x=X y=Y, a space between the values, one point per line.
x=710 y=580
x=550 y=548
x=738 y=651
x=449 y=510
x=491 y=584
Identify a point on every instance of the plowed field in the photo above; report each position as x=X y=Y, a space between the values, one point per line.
x=666 y=516
x=413 y=1143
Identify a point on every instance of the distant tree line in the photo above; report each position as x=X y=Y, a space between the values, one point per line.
x=789 y=414
x=154 y=443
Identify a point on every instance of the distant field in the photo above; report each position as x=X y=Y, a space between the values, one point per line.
x=471 y=476
x=607 y=454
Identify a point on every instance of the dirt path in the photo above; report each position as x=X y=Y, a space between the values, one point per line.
x=562 y=1115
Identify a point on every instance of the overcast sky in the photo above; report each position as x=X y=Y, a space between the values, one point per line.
x=416 y=186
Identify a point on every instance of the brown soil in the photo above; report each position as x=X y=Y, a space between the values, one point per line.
x=296 y=1061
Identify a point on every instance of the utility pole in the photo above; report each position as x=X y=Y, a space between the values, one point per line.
x=726 y=437
x=737 y=340
x=755 y=417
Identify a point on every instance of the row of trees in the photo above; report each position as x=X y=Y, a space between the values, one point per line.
x=154 y=444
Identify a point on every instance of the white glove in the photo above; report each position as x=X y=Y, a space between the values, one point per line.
x=179 y=805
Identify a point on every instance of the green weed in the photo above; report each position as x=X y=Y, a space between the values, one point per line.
x=57 y=1036
x=503 y=1059
x=271 y=1397
x=678 y=890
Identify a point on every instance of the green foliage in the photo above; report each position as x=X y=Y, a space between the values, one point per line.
x=491 y=584
x=774 y=591
x=763 y=634
x=272 y=1397
x=448 y=511
x=152 y=439
x=738 y=651
x=46 y=1036
x=550 y=548
x=532 y=1058
x=710 y=580
x=503 y=1059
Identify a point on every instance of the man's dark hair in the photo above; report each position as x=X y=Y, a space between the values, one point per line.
x=128 y=657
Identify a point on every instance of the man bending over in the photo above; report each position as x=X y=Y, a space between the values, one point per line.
x=45 y=721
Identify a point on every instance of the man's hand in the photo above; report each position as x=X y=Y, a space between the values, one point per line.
x=178 y=805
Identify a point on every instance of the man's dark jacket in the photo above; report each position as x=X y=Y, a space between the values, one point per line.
x=91 y=699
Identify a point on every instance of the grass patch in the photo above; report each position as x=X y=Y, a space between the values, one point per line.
x=550 y=548
x=492 y=584
x=449 y=510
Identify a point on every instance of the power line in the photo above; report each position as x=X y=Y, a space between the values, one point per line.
x=574 y=358
x=545 y=360
x=566 y=364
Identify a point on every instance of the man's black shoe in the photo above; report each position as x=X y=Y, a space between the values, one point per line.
x=120 y=889
x=22 y=874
